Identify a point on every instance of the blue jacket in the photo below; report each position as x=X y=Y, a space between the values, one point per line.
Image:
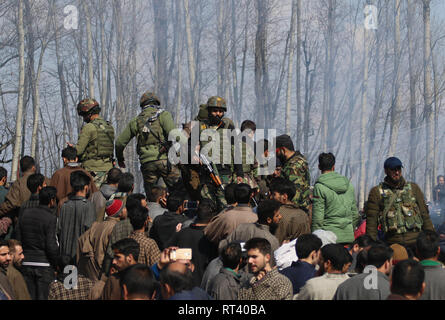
x=298 y=273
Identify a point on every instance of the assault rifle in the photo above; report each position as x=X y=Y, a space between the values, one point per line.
x=213 y=175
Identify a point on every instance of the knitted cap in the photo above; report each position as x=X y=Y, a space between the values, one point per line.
x=114 y=207
x=400 y=253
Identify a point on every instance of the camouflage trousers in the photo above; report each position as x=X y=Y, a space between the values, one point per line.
x=99 y=177
x=214 y=193
x=153 y=170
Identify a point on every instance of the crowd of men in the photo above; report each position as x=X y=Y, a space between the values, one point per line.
x=224 y=231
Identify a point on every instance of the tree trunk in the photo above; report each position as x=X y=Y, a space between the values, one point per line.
x=160 y=51
x=86 y=11
x=191 y=60
x=428 y=101
x=298 y=84
x=290 y=65
x=396 y=107
x=19 y=115
x=412 y=91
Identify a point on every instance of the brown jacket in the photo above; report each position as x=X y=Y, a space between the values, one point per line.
x=61 y=180
x=92 y=246
x=17 y=195
x=112 y=288
x=226 y=222
x=5 y=285
x=375 y=208
x=294 y=222
x=18 y=283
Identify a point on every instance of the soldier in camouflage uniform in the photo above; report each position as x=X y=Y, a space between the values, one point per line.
x=95 y=146
x=249 y=162
x=216 y=107
x=295 y=168
x=151 y=128
x=397 y=207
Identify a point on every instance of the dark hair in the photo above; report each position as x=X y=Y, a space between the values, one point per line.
x=127 y=246
x=70 y=153
x=283 y=186
x=26 y=163
x=427 y=244
x=306 y=243
x=175 y=200
x=379 y=254
x=337 y=254
x=63 y=261
x=229 y=193
x=242 y=193
x=231 y=255
x=4 y=243
x=114 y=175
x=259 y=243
x=326 y=161
x=206 y=211
x=407 y=277
x=363 y=241
x=266 y=209
x=78 y=180
x=3 y=173
x=12 y=243
x=248 y=124
x=362 y=261
x=133 y=201
x=176 y=280
x=46 y=195
x=155 y=193
x=126 y=182
x=139 y=280
x=138 y=216
x=35 y=181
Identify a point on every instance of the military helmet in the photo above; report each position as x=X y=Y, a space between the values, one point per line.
x=217 y=102
x=149 y=98
x=86 y=106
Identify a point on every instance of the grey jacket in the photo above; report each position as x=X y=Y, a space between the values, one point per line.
x=226 y=284
x=76 y=216
x=354 y=288
x=435 y=282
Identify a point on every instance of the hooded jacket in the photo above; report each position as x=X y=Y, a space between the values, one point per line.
x=334 y=206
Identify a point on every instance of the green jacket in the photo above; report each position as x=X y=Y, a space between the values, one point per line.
x=88 y=136
x=147 y=153
x=375 y=208
x=334 y=206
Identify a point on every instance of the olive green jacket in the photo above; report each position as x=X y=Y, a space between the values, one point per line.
x=375 y=208
x=86 y=136
x=146 y=153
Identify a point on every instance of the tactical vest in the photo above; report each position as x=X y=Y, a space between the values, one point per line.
x=227 y=124
x=103 y=146
x=401 y=213
x=149 y=127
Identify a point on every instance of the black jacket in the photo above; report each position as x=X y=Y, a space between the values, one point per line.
x=38 y=235
x=164 y=227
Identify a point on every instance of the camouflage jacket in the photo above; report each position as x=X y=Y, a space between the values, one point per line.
x=296 y=169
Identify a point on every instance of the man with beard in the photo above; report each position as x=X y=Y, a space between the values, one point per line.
x=6 y=290
x=126 y=253
x=216 y=121
x=14 y=276
x=295 y=169
x=398 y=207
x=267 y=283
x=268 y=220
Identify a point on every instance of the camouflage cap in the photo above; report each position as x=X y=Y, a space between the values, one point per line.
x=149 y=98
x=217 y=102
x=86 y=105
